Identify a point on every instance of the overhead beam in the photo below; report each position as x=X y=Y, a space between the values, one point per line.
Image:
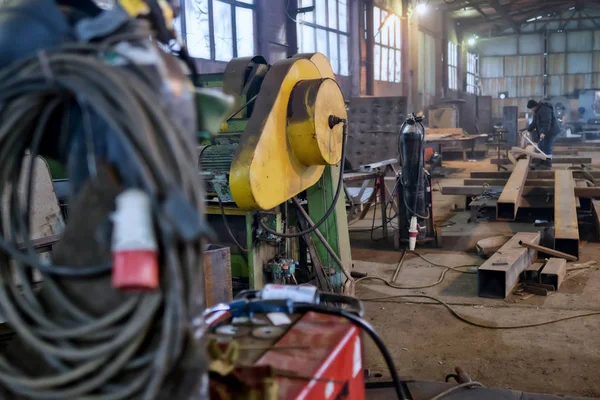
x=566 y=227
x=500 y=9
x=508 y=203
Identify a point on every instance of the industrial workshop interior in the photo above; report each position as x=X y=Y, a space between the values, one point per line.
x=299 y=199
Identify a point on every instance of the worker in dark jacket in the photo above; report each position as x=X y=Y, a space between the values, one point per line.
x=546 y=125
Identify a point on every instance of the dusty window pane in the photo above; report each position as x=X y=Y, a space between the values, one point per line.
x=244 y=22
x=333 y=52
x=397 y=28
x=307 y=16
x=308 y=39
x=223 y=31
x=384 y=64
x=320 y=12
x=398 y=70
x=246 y=1
x=332 y=13
x=344 y=60
x=376 y=23
x=343 y=13
x=391 y=66
x=322 y=41
x=383 y=31
x=377 y=59
x=198 y=33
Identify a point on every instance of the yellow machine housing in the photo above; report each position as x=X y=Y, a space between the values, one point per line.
x=288 y=141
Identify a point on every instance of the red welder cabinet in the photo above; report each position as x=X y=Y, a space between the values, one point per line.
x=316 y=357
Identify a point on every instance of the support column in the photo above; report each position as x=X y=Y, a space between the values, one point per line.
x=370 y=56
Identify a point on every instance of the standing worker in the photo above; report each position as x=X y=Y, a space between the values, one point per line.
x=547 y=126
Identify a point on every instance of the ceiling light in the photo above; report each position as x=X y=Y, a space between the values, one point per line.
x=421 y=8
x=471 y=42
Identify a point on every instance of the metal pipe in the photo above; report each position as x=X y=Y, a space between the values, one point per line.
x=399 y=267
x=321 y=237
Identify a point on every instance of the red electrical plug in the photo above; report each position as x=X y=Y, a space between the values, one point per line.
x=134 y=248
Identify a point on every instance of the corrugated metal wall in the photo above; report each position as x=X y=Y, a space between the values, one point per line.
x=515 y=64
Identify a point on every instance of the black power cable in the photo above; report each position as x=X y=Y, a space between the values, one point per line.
x=333 y=121
x=401 y=391
x=127 y=351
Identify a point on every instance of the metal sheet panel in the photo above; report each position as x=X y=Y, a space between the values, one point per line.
x=511 y=66
x=557 y=64
x=499 y=104
x=531 y=86
x=597 y=61
x=493 y=86
x=491 y=67
x=577 y=82
x=597 y=40
x=556 y=85
x=373 y=128
x=553 y=26
x=557 y=43
x=524 y=65
x=531 y=65
x=580 y=41
x=501 y=46
x=531 y=44
x=579 y=63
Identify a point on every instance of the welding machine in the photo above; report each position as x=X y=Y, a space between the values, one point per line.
x=288 y=342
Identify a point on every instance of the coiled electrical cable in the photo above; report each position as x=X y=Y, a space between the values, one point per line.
x=129 y=351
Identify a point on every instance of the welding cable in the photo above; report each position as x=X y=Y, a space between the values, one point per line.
x=476 y=324
x=338 y=190
x=127 y=351
x=391 y=283
x=229 y=231
x=401 y=391
x=466 y=385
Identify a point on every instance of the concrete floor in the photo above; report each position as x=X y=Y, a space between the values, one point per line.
x=427 y=342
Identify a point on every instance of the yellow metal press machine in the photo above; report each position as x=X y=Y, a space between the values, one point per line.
x=273 y=173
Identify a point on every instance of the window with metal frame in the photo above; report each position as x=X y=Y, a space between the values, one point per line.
x=219 y=29
x=472 y=73
x=388 y=55
x=452 y=66
x=325 y=30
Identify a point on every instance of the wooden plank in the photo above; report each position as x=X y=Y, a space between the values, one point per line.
x=508 y=203
x=504 y=182
x=478 y=190
x=218 y=287
x=554 y=272
x=498 y=276
x=506 y=175
x=549 y=251
x=555 y=160
x=565 y=152
x=596 y=213
x=518 y=152
x=500 y=161
x=571 y=160
x=588 y=192
x=444 y=131
x=566 y=228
